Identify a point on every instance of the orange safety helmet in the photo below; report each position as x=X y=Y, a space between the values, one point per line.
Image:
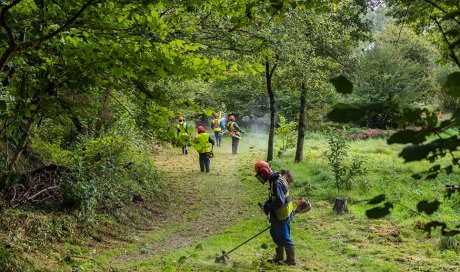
x=200 y=129
x=263 y=171
x=181 y=118
x=216 y=115
x=263 y=168
x=231 y=118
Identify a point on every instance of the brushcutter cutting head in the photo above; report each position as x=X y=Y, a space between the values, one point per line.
x=221 y=258
x=303 y=205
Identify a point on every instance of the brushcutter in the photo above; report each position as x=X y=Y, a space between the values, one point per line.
x=251 y=145
x=303 y=205
x=221 y=258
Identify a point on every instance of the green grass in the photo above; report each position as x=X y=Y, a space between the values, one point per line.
x=328 y=242
x=324 y=241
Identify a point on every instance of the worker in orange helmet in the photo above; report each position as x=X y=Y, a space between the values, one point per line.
x=280 y=208
x=234 y=131
x=204 y=144
x=217 y=125
x=183 y=134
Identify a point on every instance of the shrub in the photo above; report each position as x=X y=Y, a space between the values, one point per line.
x=344 y=169
x=118 y=168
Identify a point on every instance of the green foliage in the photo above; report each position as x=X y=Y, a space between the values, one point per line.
x=193 y=254
x=342 y=85
x=146 y=248
x=76 y=258
x=345 y=171
x=398 y=66
x=80 y=194
x=441 y=16
x=450 y=243
x=286 y=131
x=105 y=171
x=11 y=261
x=263 y=256
x=453 y=84
x=417 y=128
x=118 y=168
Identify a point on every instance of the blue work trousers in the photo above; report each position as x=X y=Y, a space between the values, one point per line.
x=218 y=136
x=280 y=231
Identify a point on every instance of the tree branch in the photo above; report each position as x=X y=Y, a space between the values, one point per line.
x=273 y=69
x=451 y=50
x=11 y=42
x=440 y=8
x=5 y=25
x=59 y=30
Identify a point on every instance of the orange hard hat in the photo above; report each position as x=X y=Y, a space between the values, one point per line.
x=181 y=118
x=216 y=114
x=231 y=118
x=200 y=129
x=262 y=168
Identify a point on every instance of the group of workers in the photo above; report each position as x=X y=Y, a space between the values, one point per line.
x=279 y=206
x=203 y=142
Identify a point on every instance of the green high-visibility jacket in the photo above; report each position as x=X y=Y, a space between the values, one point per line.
x=201 y=143
x=182 y=128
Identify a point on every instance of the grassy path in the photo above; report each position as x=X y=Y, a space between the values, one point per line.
x=208 y=213
x=200 y=205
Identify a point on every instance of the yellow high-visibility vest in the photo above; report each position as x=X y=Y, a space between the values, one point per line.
x=217 y=125
x=286 y=210
x=231 y=127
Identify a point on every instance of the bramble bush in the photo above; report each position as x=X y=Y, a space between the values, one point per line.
x=105 y=171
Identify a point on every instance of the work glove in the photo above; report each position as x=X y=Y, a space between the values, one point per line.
x=263 y=207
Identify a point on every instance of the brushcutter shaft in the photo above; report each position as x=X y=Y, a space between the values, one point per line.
x=262 y=231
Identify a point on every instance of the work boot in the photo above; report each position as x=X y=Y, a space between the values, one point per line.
x=279 y=256
x=290 y=256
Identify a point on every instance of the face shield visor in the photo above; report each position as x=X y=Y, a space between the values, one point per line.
x=260 y=178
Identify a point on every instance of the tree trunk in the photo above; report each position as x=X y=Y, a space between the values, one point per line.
x=22 y=142
x=340 y=205
x=302 y=123
x=271 y=96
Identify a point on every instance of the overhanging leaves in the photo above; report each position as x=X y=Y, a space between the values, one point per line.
x=407 y=136
x=428 y=207
x=343 y=113
x=379 y=212
x=434 y=224
x=377 y=199
x=342 y=85
x=430 y=151
x=453 y=84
